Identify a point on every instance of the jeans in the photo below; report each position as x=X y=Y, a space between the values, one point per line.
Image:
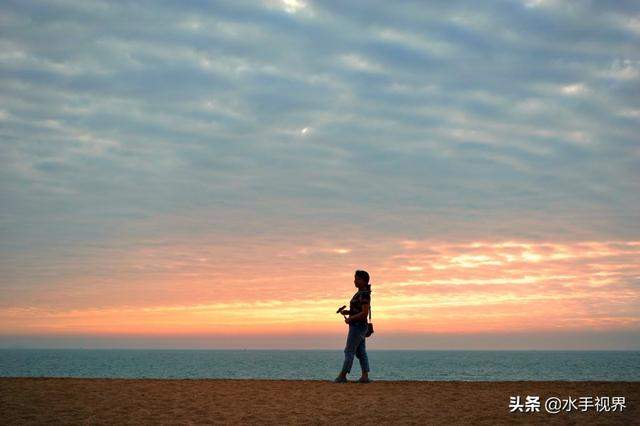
x=356 y=347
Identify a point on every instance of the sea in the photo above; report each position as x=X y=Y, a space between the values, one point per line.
x=475 y=365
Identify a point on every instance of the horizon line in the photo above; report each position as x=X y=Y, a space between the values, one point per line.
x=323 y=349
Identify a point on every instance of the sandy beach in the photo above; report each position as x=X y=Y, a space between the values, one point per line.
x=150 y=401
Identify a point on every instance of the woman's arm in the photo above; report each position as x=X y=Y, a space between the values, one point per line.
x=360 y=315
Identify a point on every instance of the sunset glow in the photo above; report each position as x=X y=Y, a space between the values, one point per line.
x=418 y=287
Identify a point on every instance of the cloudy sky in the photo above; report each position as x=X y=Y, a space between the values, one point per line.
x=210 y=174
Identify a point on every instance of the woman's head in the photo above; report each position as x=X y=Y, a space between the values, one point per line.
x=361 y=279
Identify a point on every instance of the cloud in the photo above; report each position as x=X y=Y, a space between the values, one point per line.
x=203 y=286
x=574 y=89
x=299 y=121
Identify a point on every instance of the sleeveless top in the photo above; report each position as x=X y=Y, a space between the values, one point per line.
x=355 y=305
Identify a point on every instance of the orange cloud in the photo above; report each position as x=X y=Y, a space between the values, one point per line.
x=419 y=286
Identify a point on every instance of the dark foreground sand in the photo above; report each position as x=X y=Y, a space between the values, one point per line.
x=123 y=401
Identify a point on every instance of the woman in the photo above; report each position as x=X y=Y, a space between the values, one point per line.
x=358 y=310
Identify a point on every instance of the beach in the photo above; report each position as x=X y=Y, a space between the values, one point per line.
x=201 y=401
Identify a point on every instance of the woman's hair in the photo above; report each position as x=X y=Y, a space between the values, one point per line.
x=363 y=274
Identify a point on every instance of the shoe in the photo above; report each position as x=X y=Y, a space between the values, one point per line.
x=364 y=380
x=340 y=379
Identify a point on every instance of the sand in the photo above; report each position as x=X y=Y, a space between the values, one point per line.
x=149 y=401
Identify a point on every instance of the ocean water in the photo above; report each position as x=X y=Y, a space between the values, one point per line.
x=321 y=364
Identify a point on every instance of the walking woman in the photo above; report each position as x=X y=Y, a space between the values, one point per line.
x=358 y=310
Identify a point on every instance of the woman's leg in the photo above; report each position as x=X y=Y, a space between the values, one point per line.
x=353 y=340
x=361 y=354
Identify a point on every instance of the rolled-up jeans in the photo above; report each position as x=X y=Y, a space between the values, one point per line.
x=356 y=347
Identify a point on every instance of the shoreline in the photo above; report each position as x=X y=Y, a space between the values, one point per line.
x=328 y=380
x=69 y=400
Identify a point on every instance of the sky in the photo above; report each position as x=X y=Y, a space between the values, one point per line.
x=190 y=174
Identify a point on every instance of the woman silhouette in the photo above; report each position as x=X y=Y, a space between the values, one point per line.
x=358 y=310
